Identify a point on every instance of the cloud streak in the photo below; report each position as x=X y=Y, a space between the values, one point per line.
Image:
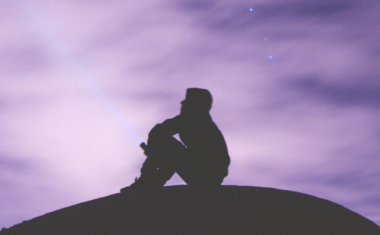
x=341 y=95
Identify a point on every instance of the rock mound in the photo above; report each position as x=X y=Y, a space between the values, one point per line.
x=202 y=210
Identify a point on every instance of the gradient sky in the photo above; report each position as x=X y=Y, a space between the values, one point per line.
x=295 y=83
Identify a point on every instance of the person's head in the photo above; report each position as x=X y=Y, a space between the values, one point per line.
x=197 y=101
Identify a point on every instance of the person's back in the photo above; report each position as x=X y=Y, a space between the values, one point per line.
x=206 y=145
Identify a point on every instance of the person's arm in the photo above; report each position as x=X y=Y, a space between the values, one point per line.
x=169 y=127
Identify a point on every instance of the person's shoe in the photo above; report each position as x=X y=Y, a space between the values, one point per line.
x=140 y=183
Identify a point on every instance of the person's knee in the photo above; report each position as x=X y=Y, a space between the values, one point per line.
x=174 y=143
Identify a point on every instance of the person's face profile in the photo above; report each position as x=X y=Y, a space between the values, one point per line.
x=183 y=106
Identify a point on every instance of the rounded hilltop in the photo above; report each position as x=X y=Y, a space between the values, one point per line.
x=201 y=210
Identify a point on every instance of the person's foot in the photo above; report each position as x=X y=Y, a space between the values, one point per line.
x=140 y=184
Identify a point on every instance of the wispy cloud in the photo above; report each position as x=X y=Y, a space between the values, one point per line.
x=340 y=94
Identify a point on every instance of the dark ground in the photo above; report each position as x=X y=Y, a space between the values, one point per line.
x=202 y=210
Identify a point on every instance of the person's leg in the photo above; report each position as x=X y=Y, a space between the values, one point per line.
x=173 y=155
x=163 y=157
x=175 y=158
x=146 y=179
x=149 y=170
x=152 y=161
x=166 y=157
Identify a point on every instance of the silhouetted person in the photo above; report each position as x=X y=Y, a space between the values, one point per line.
x=203 y=161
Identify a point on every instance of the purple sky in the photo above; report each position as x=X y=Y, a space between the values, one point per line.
x=295 y=83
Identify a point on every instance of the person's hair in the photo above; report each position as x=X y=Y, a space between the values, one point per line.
x=199 y=99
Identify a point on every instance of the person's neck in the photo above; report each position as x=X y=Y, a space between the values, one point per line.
x=195 y=114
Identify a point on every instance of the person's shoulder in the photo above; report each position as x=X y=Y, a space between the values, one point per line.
x=173 y=120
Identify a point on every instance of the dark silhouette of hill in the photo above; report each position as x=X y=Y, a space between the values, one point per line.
x=202 y=210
